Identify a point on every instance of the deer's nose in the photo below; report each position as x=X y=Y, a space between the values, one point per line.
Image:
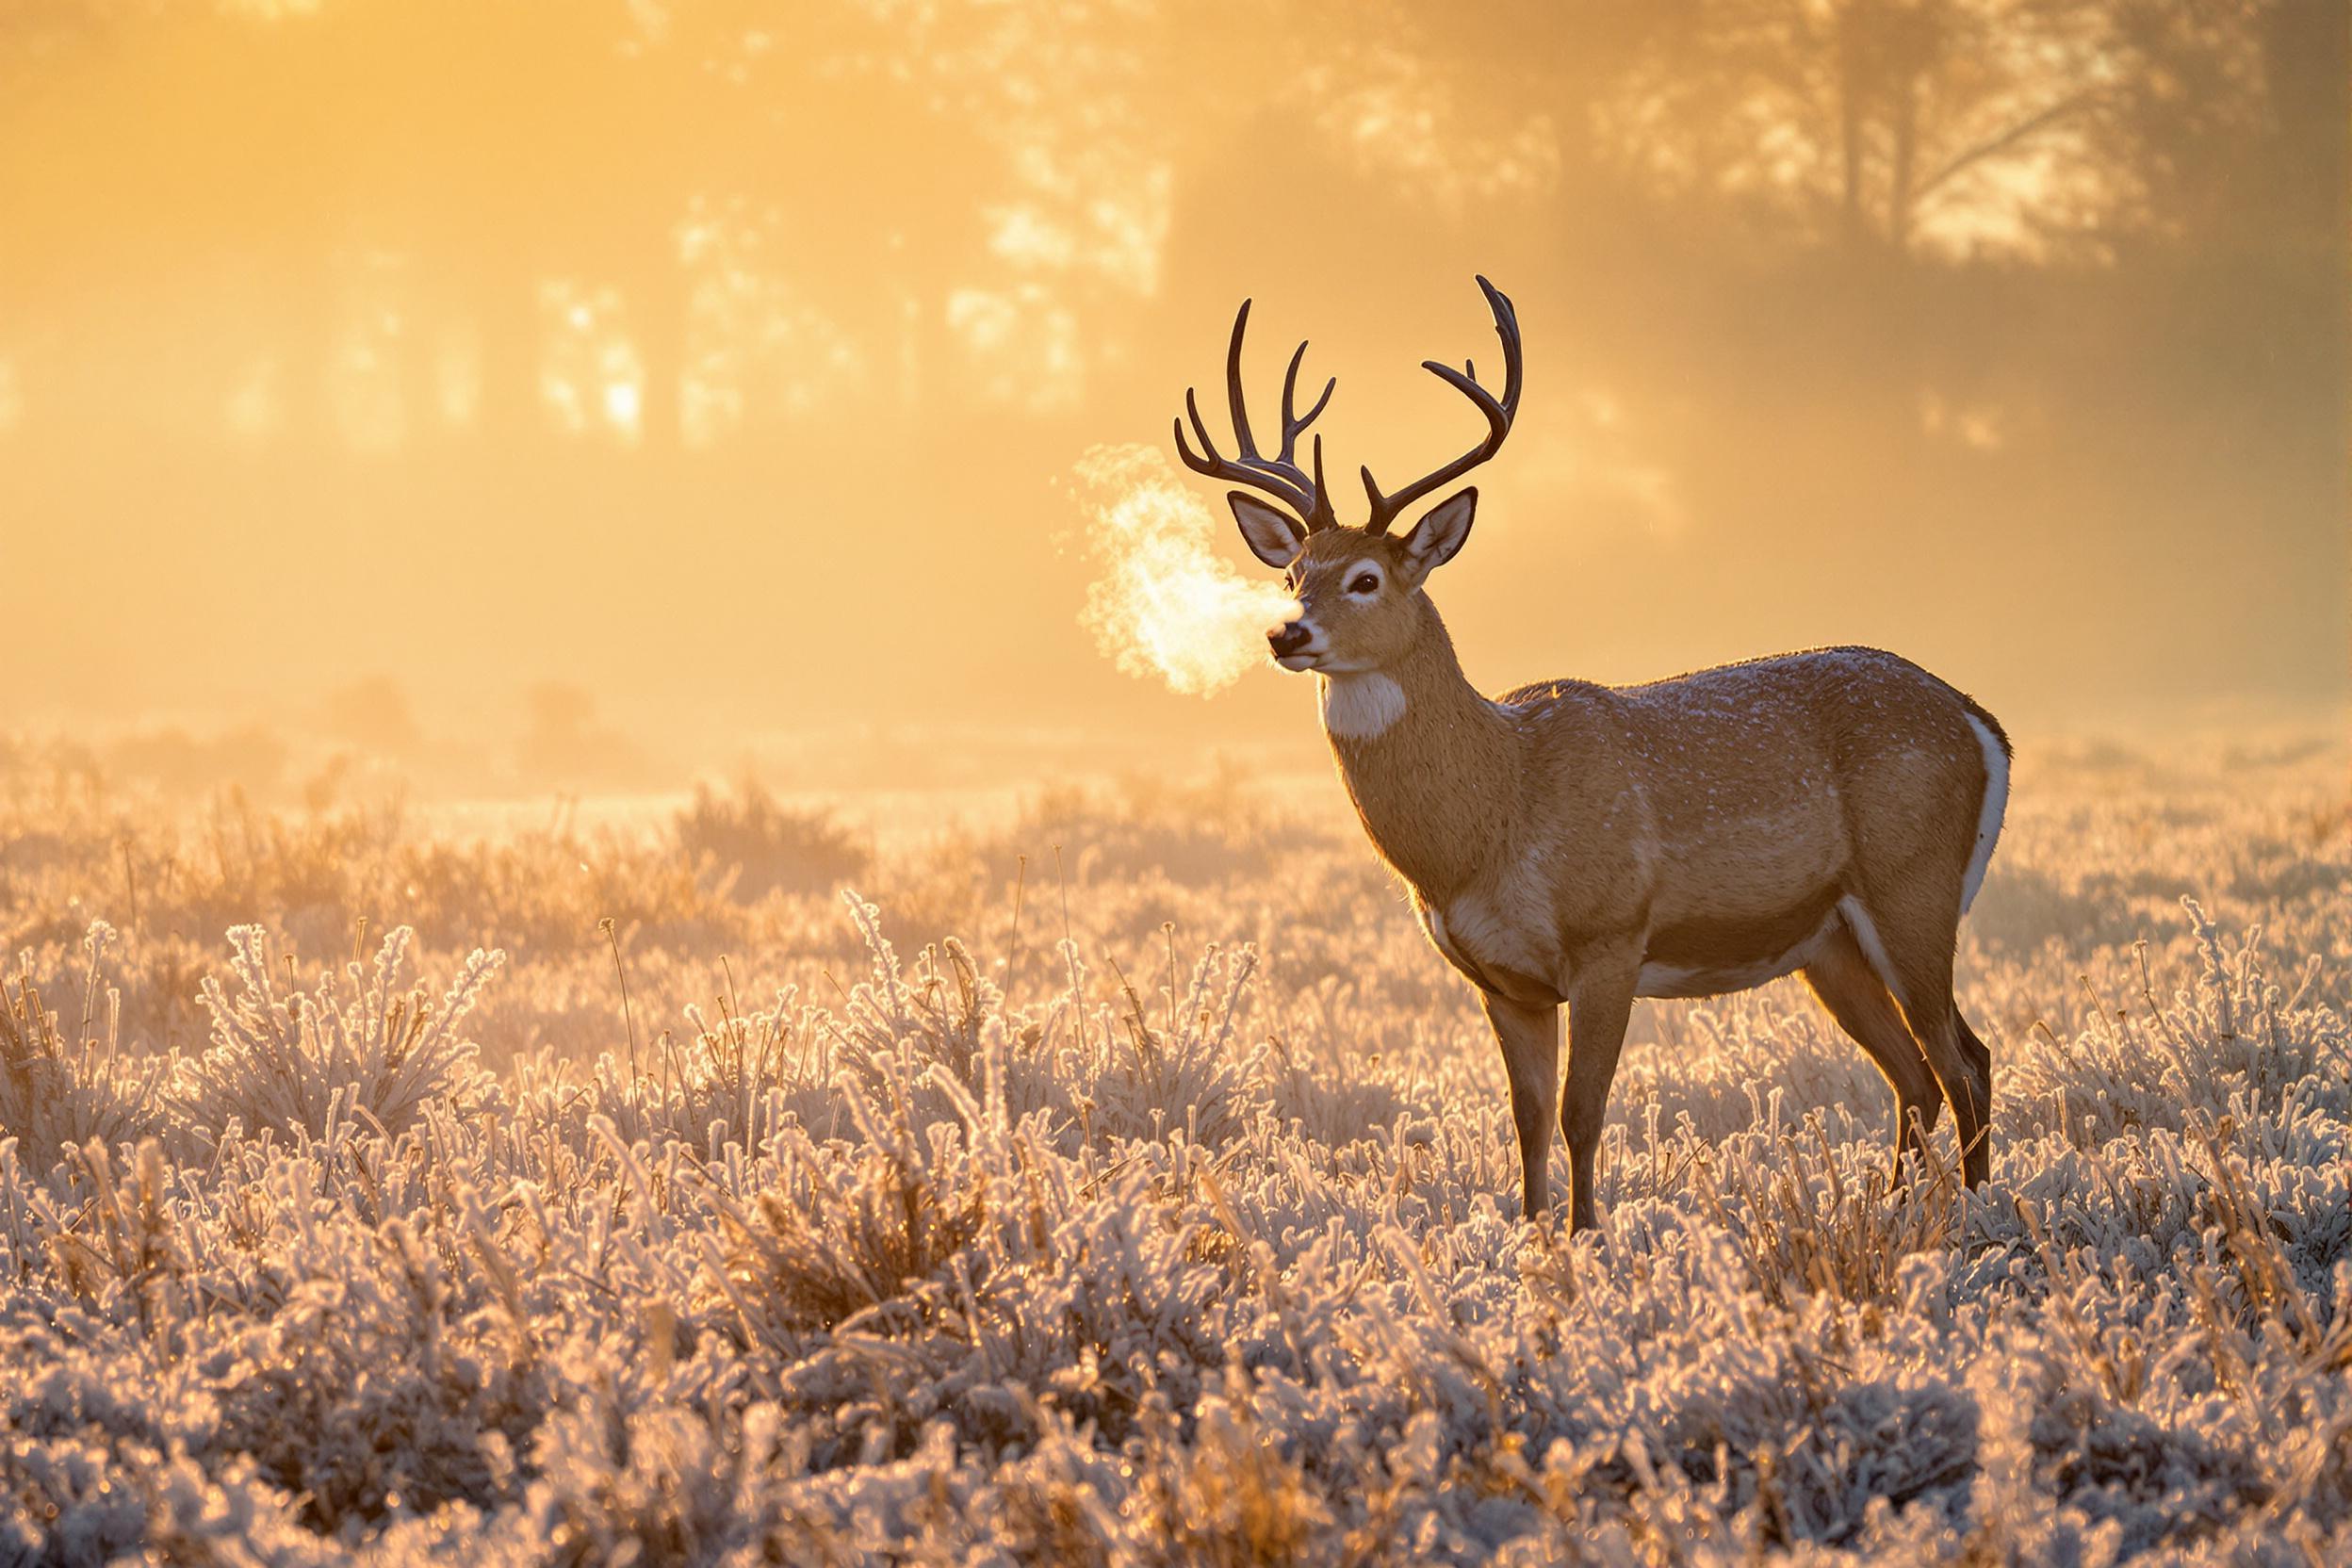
x=1288 y=638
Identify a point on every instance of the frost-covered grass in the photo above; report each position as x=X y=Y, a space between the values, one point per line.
x=1163 y=1217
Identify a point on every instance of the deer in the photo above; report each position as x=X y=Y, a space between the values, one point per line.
x=1829 y=812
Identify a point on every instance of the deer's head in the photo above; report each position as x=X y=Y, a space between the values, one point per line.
x=1358 y=588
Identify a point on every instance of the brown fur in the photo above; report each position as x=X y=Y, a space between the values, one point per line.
x=1577 y=842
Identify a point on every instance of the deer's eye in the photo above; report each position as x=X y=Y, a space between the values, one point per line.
x=1367 y=582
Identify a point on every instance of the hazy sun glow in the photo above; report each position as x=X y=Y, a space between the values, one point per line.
x=711 y=366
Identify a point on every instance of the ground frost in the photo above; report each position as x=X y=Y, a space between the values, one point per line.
x=1183 y=1236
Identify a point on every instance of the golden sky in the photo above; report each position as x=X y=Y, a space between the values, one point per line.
x=711 y=377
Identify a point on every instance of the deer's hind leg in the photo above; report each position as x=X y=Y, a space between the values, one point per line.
x=1978 y=1052
x=1842 y=978
x=1909 y=942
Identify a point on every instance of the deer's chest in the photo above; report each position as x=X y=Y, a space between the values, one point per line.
x=1500 y=938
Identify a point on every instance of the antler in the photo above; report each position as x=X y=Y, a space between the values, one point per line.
x=1465 y=381
x=1280 y=476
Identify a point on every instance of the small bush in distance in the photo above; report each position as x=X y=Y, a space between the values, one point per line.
x=765 y=846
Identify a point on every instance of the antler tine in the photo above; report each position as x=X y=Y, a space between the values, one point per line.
x=1499 y=414
x=1192 y=408
x=1232 y=384
x=1216 y=466
x=1210 y=462
x=1280 y=476
x=1506 y=328
x=1293 y=426
x=1184 y=449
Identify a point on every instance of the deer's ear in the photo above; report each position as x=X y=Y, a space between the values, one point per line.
x=1442 y=532
x=1274 y=536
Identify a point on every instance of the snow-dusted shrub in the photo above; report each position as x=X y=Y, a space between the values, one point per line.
x=62 y=1500
x=741 y=1079
x=1221 y=1489
x=63 y=1088
x=291 y=1063
x=1192 y=833
x=748 y=845
x=871 y=1235
x=1187 y=1075
x=1104 y=1072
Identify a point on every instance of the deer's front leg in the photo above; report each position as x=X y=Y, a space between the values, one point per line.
x=1530 y=1036
x=1600 y=1003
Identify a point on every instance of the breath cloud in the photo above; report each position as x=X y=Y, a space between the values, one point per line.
x=1165 y=604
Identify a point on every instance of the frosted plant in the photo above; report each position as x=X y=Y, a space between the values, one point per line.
x=1183 y=1075
x=292 y=1063
x=873 y=1236
x=62 y=1087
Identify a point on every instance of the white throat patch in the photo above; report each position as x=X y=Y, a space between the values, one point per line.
x=1360 y=705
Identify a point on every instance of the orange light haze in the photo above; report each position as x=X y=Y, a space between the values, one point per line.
x=661 y=382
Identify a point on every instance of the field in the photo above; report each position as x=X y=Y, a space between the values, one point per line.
x=1129 y=1182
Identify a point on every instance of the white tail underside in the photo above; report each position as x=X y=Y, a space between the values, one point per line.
x=1988 y=816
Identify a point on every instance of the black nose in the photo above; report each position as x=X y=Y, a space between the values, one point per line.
x=1288 y=639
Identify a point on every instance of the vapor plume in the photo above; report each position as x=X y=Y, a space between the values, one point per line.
x=1163 y=604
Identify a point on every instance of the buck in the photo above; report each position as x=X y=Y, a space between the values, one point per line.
x=1829 y=813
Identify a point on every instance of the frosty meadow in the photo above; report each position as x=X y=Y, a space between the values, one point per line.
x=1830 y=813
x=662 y=903
x=1166 y=1231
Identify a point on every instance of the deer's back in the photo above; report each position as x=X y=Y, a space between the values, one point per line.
x=1763 y=786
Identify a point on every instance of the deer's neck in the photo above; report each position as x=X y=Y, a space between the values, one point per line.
x=1432 y=765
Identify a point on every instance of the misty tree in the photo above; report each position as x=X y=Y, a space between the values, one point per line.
x=1942 y=127
x=662 y=276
